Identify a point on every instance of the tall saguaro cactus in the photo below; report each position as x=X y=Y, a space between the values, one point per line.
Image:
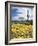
x=27 y=15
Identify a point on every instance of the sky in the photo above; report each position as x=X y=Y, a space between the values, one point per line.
x=17 y=12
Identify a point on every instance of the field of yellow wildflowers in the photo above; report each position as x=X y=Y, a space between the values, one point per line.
x=21 y=31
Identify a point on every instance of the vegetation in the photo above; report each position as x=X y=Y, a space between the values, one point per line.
x=21 y=30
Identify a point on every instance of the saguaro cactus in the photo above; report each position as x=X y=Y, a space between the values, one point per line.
x=27 y=15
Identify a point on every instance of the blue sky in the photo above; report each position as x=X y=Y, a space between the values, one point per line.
x=17 y=12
